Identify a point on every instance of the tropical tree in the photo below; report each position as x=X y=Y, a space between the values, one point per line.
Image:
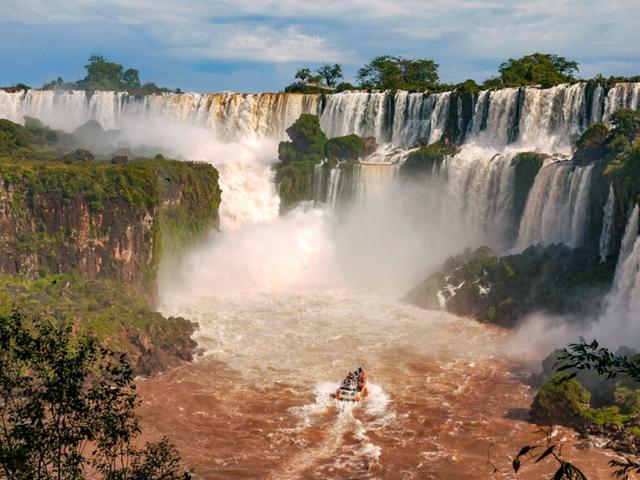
x=538 y=69
x=131 y=78
x=576 y=357
x=67 y=408
x=303 y=74
x=102 y=74
x=393 y=73
x=330 y=73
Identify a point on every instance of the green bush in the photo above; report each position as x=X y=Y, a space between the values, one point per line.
x=349 y=147
x=426 y=157
x=562 y=401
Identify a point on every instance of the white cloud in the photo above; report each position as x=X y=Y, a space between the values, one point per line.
x=262 y=44
x=351 y=32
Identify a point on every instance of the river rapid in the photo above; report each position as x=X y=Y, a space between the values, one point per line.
x=445 y=400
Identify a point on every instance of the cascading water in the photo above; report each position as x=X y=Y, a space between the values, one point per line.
x=274 y=295
x=606 y=235
x=501 y=123
x=401 y=119
x=557 y=206
x=333 y=189
x=622 y=314
x=233 y=116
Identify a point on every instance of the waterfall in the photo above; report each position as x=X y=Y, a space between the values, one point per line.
x=494 y=127
x=371 y=180
x=478 y=181
x=557 y=206
x=318 y=182
x=606 y=235
x=552 y=118
x=480 y=185
x=402 y=119
x=629 y=236
x=231 y=115
x=333 y=187
x=623 y=301
x=623 y=95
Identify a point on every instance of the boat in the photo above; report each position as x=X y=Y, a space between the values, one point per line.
x=354 y=386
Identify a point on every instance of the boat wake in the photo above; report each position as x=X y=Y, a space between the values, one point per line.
x=344 y=426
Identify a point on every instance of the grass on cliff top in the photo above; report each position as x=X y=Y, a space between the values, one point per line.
x=106 y=308
x=137 y=183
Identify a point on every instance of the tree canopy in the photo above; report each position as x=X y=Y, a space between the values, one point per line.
x=103 y=74
x=396 y=73
x=330 y=73
x=67 y=408
x=537 y=69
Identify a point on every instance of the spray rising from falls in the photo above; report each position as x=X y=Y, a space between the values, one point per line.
x=231 y=116
x=493 y=126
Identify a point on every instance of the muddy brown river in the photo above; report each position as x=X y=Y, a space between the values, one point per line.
x=446 y=400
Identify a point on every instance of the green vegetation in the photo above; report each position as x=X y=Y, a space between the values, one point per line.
x=308 y=147
x=307 y=141
x=623 y=151
x=162 y=205
x=114 y=312
x=542 y=69
x=396 y=73
x=388 y=72
x=426 y=158
x=554 y=279
x=325 y=80
x=83 y=238
x=349 y=147
x=105 y=75
x=562 y=401
x=18 y=87
x=61 y=392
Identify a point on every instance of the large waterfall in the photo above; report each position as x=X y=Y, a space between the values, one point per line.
x=478 y=182
x=230 y=115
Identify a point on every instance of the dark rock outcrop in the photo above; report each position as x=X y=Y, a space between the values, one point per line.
x=502 y=290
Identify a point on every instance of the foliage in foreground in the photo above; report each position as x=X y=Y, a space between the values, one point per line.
x=583 y=356
x=67 y=409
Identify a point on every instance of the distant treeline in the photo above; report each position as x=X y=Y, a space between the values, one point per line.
x=103 y=75
x=388 y=72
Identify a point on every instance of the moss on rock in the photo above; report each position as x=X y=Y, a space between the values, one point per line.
x=562 y=401
x=426 y=158
x=115 y=312
x=502 y=290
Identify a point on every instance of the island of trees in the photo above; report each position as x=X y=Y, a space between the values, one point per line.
x=389 y=72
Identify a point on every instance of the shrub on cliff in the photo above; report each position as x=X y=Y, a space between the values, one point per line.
x=58 y=394
x=553 y=279
x=307 y=140
x=427 y=157
x=625 y=170
x=562 y=401
x=626 y=122
x=349 y=147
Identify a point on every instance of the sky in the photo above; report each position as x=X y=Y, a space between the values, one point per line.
x=257 y=45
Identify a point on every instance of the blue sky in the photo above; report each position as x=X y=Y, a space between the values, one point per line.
x=257 y=45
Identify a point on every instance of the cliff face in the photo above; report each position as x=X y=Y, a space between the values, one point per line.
x=100 y=221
